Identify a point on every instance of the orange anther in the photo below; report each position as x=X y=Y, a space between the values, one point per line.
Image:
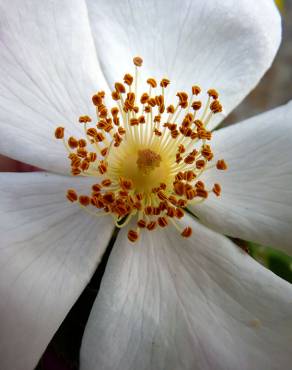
x=170 y=109
x=213 y=93
x=152 y=225
x=179 y=213
x=75 y=171
x=179 y=188
x=84 y=165
x=96 y=188
x=128 y=79
x=221 y=165
x=108 y=197
x=216 y=107
x=102 y=168
x=164 y=82
x=144 y=98
x=141 y=224
x=200 y=164
x=196 y=105
x=181 y=149
x=97 y=100
x=120 y=87
x=202 y=193
x=187 y=232
x=84 y=200
x=59 y=132
x=196 y=90
x=82 y=143
x=72 y=195
x=217 y=189
x=152 y=82
x=92 y=156
x=162 y=221
x=106 y=182
x=132 y=235
x=84 y=119
x=138 y=61
x=104 y=151
x=116 y=95
x=161 y=195
x=72 y=142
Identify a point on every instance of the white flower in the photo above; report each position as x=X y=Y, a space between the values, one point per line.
x=165 y=302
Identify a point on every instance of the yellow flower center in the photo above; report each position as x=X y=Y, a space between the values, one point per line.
x=148 y=156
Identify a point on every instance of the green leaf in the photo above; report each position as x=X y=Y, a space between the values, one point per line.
x=275 y=260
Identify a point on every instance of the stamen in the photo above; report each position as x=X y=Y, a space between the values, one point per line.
x=147 y=153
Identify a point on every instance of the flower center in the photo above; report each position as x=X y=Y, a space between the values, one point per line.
x=147 y=161
x=148 y=156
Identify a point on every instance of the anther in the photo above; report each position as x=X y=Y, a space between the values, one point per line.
x=84 y=200
x=84 y=165
x=75 y=171
x=84 y=119
x=59 y=132
x=102 y=168
x=152 y=225
x=179 y=188
x=128 y=79
x=213 y=93
x=126 y=184
x=202 y=193
x=72 y=142
x=138 y=61
x=72 y=195
x=217 y=189
x=216 y=107
x=152 y=82
x=196 y=105
x=179 y=213
x=196 y=90
x=116 y=95
x=183 y=96
x=170 y=109
x=132 y=235
x=120 y=88
x=187 y=232
x=200 y=164
x=96 y=188
x=221 y=165
x=108 y=197
x=104 y=152
x=97 y=99
x=82 y=143
x=92 y=156
x=164 y=82
x=141 y=224
x=162 y=221
x=106 y=182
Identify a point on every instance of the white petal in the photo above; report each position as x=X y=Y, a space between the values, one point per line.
x=256 y=201
x=200 y=303
x=49 y=250
x=49 y=71
x=227 y=45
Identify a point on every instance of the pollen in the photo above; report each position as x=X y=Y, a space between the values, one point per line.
x=146 y=155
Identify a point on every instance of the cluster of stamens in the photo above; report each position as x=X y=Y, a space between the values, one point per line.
x=148 y=156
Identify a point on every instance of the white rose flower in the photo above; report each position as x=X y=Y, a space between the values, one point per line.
x=168 y=301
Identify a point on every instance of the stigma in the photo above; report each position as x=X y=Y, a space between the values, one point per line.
x=145 y=156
